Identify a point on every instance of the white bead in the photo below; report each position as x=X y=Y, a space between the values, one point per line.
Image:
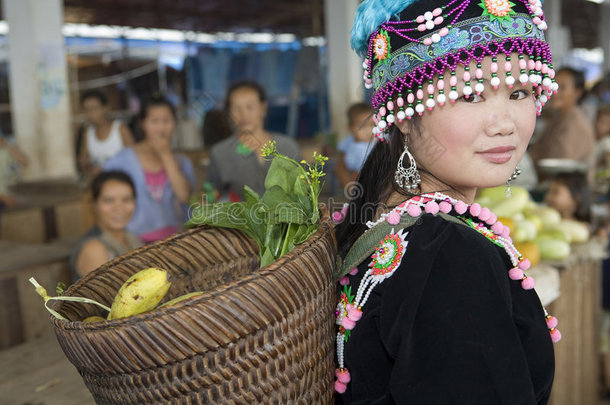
x=390 y=118
x=364 y=65
x=429 y=24
x=430 y=103
x=382 y=124
x=401 y=115
x=368 y=85
x=543 y=99
x=436 y=38
x=420 y=108
x=364 y=76
x=509 y=80
x=538 y=104
x=428 y=15
x=441 y=98
x=479 y=88
x=535 y=78
x=453 y=95
x=375 y=131
x=555 y=86
x=542 y=26
x=546 y=82
x=467 y=90
x=410 y=112
x=538 y=12
x=524 y=78
x=495 y=81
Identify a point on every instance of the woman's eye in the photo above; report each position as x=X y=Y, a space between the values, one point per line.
x=519 y=94
x=473 y=98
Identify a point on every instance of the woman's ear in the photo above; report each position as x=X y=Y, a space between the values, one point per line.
x=404 y=126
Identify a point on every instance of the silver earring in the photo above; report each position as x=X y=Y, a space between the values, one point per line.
x=512 y=177
x=407 y=177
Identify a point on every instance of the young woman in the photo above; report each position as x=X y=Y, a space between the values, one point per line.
x=436 y=307
x=164 y=181
x=114 y=200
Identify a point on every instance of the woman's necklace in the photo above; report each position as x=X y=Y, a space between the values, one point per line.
x=391 y=249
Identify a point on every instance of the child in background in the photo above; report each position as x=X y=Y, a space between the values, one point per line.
x=570 y=194
x=355 y=147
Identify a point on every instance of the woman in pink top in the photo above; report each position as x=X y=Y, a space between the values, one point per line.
x=163 y=180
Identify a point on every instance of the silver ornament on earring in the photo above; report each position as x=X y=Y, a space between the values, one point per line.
x=512 y=177
x=407 y=177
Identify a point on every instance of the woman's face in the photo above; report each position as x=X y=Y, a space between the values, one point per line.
x=475 y=142
x=568 y=94
x=559 y=197
x=95 y=112
x=159 y=122
x=246 y=110
x=115 y=205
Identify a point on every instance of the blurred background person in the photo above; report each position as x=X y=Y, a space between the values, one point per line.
x=602 y=135
x=237 y=161
x=114 y=201
x=568 y=133
x=102 y=138
x=163 y=180
x=11 y=161
x=570 y=194
x=356 y=146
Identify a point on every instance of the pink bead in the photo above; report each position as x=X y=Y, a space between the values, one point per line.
x=528 y=283
x=354 y=314
x=552 y=73
x=420 y=94
x=376 y=118
x=337 y=217
x=522 y=64
x=410 y=98
x=497 y=228
x=430 y=89
x=515 y=273
x=414 y=210
x=444 y=207
x=493 y=67
x=382 y=111
x=532 y=2
x=460 y=207
x=438 y=20
x=453 y=80
x=555 y=335
x=440 y=84
x=531 y=64
x=525 y=264
x=479 y=73
x=437 y=11
x=444 y=31
x=492 y=219
x=394 y=218
x=354 y=271
x=466 y=76
x=344 y=280
x=551 y=322
x=343 y=375
x=400 y=101
x=484 y=214
x=420 y=19
x=427 y=41
x=432 y=207
x=508 y=67
x=536 y=20
x=545 y=68
x=368 y=81
x=475 y=210
x=340 y=387
x=344 y=209
x=538 y=65
x=390 y=105
x=348 y=323
x=421 y=28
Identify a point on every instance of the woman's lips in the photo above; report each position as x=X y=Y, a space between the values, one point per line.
x=501 y=154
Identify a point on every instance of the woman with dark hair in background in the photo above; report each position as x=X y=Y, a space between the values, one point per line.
x=163 y=180
x=237 y=161
x=114 y=200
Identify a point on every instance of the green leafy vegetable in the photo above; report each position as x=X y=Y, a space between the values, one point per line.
x=285 y=216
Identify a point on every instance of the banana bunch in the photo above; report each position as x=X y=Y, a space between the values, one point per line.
x=140 y=293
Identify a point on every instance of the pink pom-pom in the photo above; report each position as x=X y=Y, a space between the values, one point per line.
x=528 y=283
x=493 y=218
x=344 y=280
x=348 y=323
x=525 y=264
x=432 y=207
x=343 y=375
x=394 y=218
x=475 y=210
x=445 y=207
x=460 y=207
x=497 y=228
x=337 y=217
x=506 y=232
x=515 y=273
x=555 y=335
x=484 y=214
x=551 y=322
x=354 y=314
x=354 y=271
x=340 y=387
x=414 y=210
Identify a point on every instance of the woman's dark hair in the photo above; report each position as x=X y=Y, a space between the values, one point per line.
x=245 y=84
x=98 y=182
x=578 y=77
x=580 y=192
x=156 y=101
x=94 y=94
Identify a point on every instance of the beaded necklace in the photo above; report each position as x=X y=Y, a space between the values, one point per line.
x=390 y=252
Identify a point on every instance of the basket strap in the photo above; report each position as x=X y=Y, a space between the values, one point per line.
x=366 y=244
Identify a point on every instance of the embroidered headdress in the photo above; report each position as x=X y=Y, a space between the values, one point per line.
x=412 y=49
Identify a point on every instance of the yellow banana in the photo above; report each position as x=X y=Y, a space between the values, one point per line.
x=93 y=318
x=180 y=298
x=140 y=293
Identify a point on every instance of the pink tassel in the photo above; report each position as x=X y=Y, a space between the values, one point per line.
x=524 y=264
x=340 y=387
x=528 y=283
x=445 y=207
x=343 y=375
x=344 y=280
x=515 y=273
x=432 y=207
x=348 y=323
x=506 y=232
x=497 y=228
x=551 y=322
x=344 y=209
x=354 y=271
x=484 y=214
x=475 y=210
x=337 y=217
x=493 y=218
x=555 y=335
x=394 y=218
x=414 y=210
x=354 y=314
x=460 y=207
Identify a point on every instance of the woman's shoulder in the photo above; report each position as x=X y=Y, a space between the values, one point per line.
x=126 y=155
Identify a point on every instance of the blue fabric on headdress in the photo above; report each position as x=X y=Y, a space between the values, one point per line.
x=369 y=16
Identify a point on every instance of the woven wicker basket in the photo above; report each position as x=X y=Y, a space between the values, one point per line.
x=261 y=336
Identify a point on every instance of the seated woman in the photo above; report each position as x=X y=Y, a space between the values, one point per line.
x=114 y=200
